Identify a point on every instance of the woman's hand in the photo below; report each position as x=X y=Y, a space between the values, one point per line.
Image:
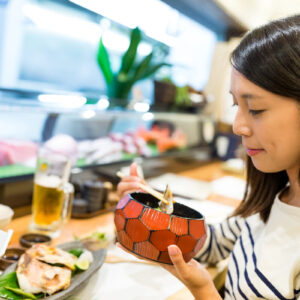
x=131 y=183
x=192 y=274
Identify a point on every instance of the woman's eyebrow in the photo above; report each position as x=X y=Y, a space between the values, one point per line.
x=247 y=96
x=250 y=96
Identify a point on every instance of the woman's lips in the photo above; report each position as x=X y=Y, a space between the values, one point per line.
x=252 y=152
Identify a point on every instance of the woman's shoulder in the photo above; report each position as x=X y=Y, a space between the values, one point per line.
x=285 y=209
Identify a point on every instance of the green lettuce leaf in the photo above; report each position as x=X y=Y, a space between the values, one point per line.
x=21 y=292
x=10 y=289
x=10 y=280
x=76 y=251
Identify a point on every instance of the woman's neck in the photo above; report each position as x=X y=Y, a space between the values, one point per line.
x=292 y=195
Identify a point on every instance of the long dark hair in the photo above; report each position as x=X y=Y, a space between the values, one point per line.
x=268 y=56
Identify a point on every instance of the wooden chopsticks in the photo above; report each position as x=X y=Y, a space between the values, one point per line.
x=148 y=189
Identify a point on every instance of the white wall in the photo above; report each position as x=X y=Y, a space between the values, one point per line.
x=253 y=13
x=10 y=41
x=219 y=83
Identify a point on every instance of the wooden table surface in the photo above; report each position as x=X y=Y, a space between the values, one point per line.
x=82 y=227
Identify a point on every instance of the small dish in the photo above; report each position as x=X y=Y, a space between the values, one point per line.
x=10 y=256
x=30 y=239
x=147 y=232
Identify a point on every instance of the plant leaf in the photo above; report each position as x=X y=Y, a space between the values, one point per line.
x=10 y=289
x=129 y=56
x=104 y=62
x=76 y=251
x=151 y=70
x=99 y=236
x=9 y=279
x=142 y=67
x=18 y=291
x=119 y=89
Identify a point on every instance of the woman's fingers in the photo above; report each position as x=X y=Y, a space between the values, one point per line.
x=131 y=182
x=192 y=274
x=177 y=259
x=124 y=188
x=133 y=170
x=133 y=179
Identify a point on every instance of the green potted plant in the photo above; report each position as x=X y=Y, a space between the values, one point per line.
x=164 y=94
x=188 y=99
x=170 y=97
x=119 y=83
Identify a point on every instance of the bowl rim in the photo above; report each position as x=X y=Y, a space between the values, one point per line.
x=26 y=242
x=9 y=211
x=12 y=249
x=171 y=215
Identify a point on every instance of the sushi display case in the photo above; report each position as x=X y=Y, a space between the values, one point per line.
x=90 y=135
x=95 y=139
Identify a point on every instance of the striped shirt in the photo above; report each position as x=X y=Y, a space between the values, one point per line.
x=264 y=258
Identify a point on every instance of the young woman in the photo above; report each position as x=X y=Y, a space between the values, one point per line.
x=262 y=238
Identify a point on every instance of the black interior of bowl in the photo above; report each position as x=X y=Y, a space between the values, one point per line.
x=180 y=210
x=13 y=254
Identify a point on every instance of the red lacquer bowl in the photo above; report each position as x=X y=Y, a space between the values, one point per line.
x=148 y=232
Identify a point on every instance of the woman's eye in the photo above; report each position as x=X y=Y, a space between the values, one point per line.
x=256 y=112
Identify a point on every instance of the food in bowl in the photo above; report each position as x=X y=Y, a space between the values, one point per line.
x=6 y=214
x=147 y=232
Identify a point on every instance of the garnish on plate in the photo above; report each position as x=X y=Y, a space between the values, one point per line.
x=98 y=239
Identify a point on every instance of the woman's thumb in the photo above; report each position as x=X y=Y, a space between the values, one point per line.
x=177 y=259
x=133 y=170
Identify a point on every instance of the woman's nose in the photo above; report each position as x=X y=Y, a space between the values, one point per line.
x=240 y=124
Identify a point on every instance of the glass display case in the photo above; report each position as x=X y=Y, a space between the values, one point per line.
x=99 y=141
x=92 y=135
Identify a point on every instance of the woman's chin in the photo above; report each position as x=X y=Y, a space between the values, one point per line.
x=265 y=167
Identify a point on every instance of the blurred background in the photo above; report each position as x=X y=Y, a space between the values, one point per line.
x=63 y=65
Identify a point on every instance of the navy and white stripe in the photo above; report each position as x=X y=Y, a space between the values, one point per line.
x=220 y=241
x=264 y=258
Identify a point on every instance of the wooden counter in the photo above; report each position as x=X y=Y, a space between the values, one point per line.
x=78 y=227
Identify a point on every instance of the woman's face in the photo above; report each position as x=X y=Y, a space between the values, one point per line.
x=268 y=124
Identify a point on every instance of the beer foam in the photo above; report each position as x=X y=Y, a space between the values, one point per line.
x=50 y=181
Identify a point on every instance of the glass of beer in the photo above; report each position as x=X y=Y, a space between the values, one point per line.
x=52 y=193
